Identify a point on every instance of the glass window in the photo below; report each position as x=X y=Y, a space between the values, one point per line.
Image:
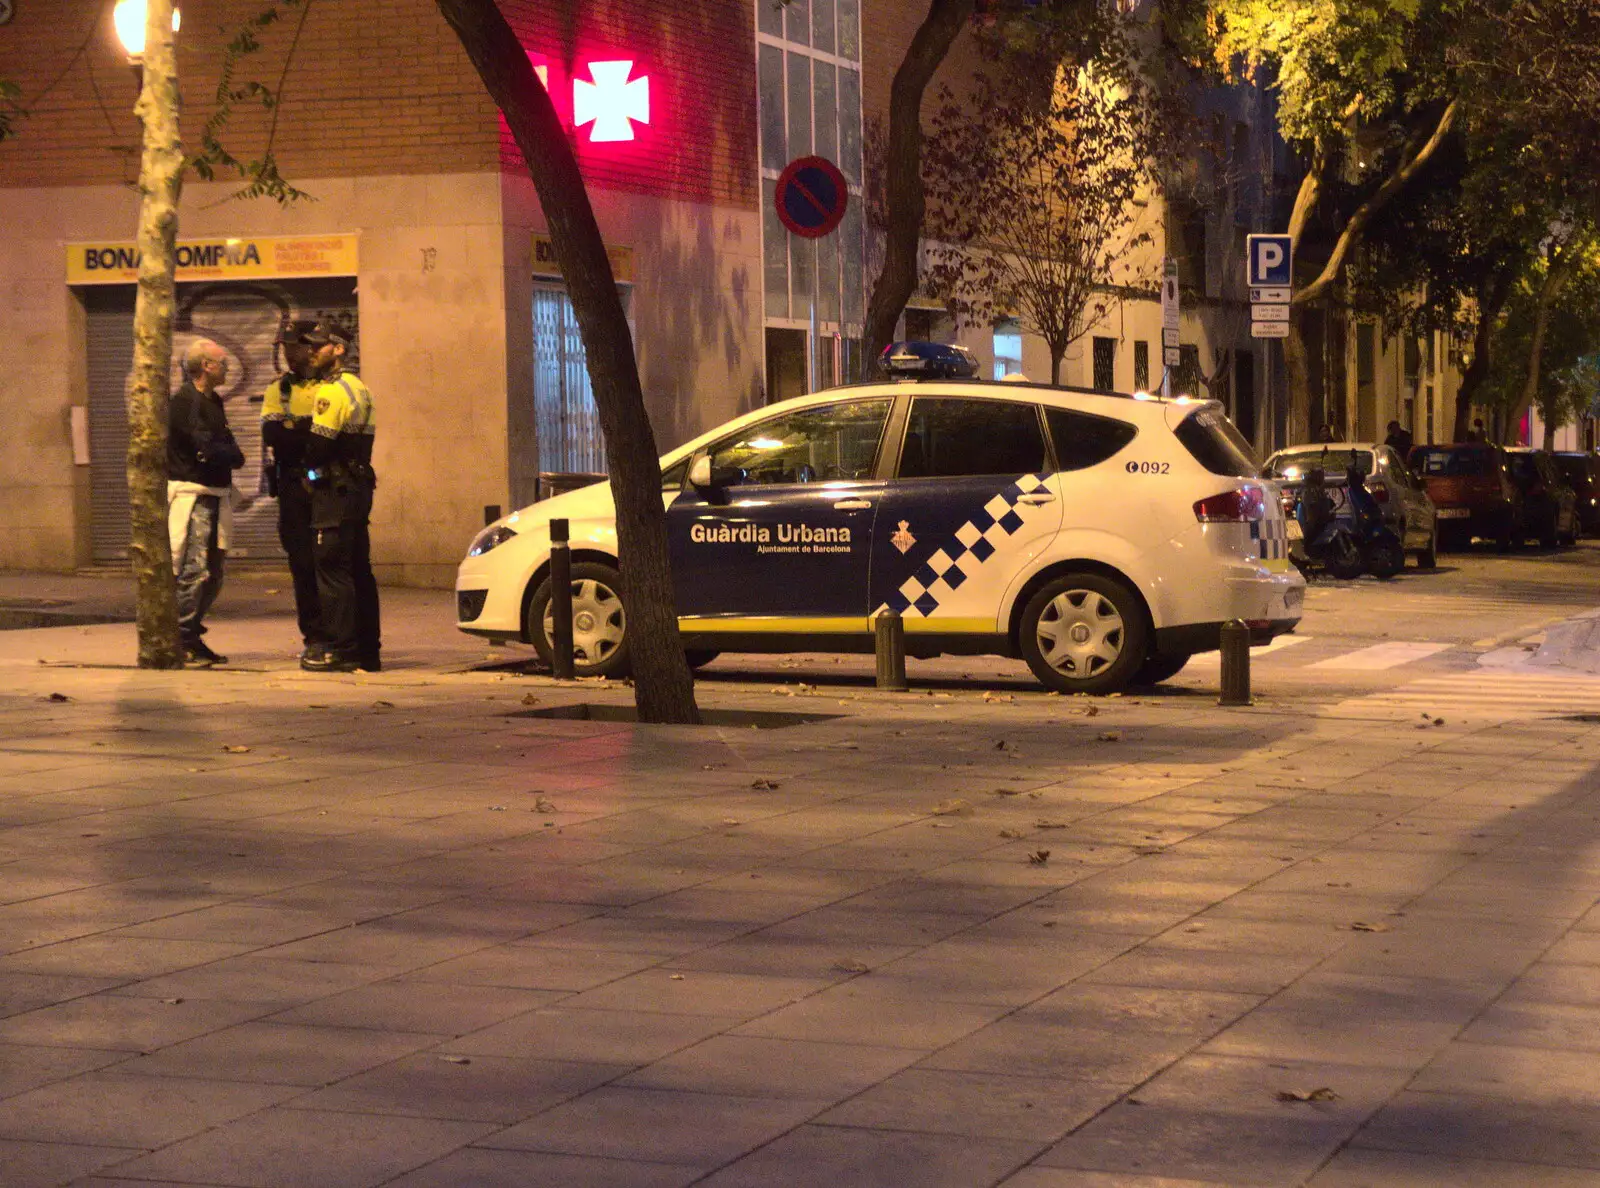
x=1105 y=364
x=850 y=125
x=799 y=104
x=1007 y=349
x=1141 y=366
x=774 y=154
x=1454 y=463
x=851 y=246
x=828 y=279
x=850 y=29
x=672 y=477
x=951 y=438
x=828 y=444
x=774 y=252
x=1292 y=464
x=826 y=124
x=1083 y=440
x=1214 y=443
x=822 y=25
x=769 y=16
x=797 y=21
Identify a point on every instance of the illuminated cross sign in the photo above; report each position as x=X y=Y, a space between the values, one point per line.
x=612 y=103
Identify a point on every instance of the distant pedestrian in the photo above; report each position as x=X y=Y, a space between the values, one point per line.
x=201 y=458
x=1325 y=434
x=1479 y=433
x=339 y=471
x=1399 y=440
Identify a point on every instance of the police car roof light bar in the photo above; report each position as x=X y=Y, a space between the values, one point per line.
x=928 y=360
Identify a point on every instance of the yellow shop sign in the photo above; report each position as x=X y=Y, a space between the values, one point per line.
x=545 y=263
x=220 y=258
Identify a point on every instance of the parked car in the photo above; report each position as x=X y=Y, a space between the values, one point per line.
x=1407 y=510
x=1102 y=538
x=1583 y=472
x=1472 y=491
x=1549 y=505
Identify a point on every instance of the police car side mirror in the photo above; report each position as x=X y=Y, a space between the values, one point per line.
x=700 y=473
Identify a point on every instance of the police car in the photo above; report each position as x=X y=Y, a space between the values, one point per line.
x=1103 y=538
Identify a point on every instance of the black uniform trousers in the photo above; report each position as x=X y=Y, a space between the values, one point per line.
x=299 y=540
x=346 y=587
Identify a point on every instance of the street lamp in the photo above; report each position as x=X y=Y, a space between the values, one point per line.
x=129 y=18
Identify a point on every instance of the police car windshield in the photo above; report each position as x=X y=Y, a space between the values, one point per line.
x=1214 y=442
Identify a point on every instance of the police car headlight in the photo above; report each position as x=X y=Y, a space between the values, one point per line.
x=491 y=537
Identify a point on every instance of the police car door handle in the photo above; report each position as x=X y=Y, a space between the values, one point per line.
x=852 y=505
x=1037 y=497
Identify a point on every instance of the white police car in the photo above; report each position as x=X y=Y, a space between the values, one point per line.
x=1102 y=538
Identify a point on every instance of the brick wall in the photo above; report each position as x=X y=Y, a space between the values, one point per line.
x=887 y=27
x=374 y=87
x=700 y=144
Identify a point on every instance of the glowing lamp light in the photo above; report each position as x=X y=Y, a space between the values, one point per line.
x=612 y=103
x=129 y=18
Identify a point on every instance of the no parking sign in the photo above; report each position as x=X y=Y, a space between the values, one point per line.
x=811 y=197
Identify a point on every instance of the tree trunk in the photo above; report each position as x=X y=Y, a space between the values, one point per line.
x=1549 y=434
x=1559 y=267
x=663 y=687
x=904 y=199
x=160 y=183
x=1055 y=364
x=1492 y=296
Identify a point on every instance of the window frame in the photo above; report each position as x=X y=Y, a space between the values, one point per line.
x=874 y=471
x=891 y=470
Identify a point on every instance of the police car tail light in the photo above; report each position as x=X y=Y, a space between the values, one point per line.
x=1232 y=507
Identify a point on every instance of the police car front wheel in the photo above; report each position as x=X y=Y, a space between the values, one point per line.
x=1084 y=633
x=599 y=623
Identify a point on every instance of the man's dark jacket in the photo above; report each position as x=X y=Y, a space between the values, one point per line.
x=200 y=446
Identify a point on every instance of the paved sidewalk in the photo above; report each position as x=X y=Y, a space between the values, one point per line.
x=263 y=928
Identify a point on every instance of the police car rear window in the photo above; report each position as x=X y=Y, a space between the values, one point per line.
x=1083 y=440
x=952 y=438
x=1213 y=441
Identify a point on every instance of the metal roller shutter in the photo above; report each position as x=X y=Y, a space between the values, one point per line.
x=242 y=317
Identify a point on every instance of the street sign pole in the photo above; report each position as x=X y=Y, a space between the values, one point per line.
x=811 y=196
x=1171 y=354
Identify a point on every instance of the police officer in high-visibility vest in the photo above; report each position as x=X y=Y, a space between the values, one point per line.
x=341 y=480
x=286 y=412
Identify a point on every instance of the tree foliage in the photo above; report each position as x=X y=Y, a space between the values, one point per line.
x=1032 y=193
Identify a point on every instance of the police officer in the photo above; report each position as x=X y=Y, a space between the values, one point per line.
x=286 y=414
x=341 y=481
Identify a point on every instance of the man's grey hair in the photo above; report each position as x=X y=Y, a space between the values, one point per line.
x=195 y=357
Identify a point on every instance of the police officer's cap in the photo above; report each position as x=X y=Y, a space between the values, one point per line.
x=311 y=332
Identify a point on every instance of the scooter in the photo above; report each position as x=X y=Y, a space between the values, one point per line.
x=1325 y=542
x=1383 y=552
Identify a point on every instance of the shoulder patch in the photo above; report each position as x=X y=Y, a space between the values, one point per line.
x=323 y=404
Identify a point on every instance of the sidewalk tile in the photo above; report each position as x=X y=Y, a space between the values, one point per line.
x=111 y=1021
x=46 y=1165
x=1537 y=1025
x=436 y=1008
x=281 y=1054
x=273 y=984
x=1061 y=1177
x=830 y=1156
x=601 y=1037
x=861 y=1012
x=1357 y=1168
x=467 y=1089
x=306 y=1149
x=979 y=1104
x=24 y=1067
x=112 y=1108
x=1565 y=1134
x=482 y=1168
x=701 y=1130
x=1527 y=1075
x=749 y=1066
x=536 y=967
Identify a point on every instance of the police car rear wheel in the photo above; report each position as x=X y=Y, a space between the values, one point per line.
x=1160 y=667
x=1083 y=633
x=599 y=623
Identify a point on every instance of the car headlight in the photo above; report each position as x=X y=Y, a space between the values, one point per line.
x=489 y=538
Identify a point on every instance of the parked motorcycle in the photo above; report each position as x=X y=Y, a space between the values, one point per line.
x=1383 y=553
x=1326 y=542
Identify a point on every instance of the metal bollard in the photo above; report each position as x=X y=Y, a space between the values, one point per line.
x=560 y=602
x=889 y=637
x=1235 y=663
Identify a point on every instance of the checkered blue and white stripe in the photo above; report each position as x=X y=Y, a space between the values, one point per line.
x=1272 y=537
x=969 y=547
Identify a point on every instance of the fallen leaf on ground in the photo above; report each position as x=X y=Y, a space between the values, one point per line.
x=381 y=704
x=1013 y=833
x=1039 y=857
x=765 y=785
x=954 y=807
x=676 y=977
x=529 y=699
x=730 y=820
x=274 y=591
x=1110 y=736
x=1046 y=824
x=1320 y=1094
x=1369 y=926
x=1090 y=711
x=1007 y=791
x=172 y=1001
x=456 y=1059
x=233 y=750
x=497 y=808
x=1149 y=851
x=543 y=806
x=851 y=965
x=58 y=697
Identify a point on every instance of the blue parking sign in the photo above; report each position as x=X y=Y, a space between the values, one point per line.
x=1270 y=260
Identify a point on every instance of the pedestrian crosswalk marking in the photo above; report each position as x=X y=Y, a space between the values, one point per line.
x=1505 y=694
x=1380 y=656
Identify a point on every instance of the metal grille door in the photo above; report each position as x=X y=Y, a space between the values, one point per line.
x=569 y=427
